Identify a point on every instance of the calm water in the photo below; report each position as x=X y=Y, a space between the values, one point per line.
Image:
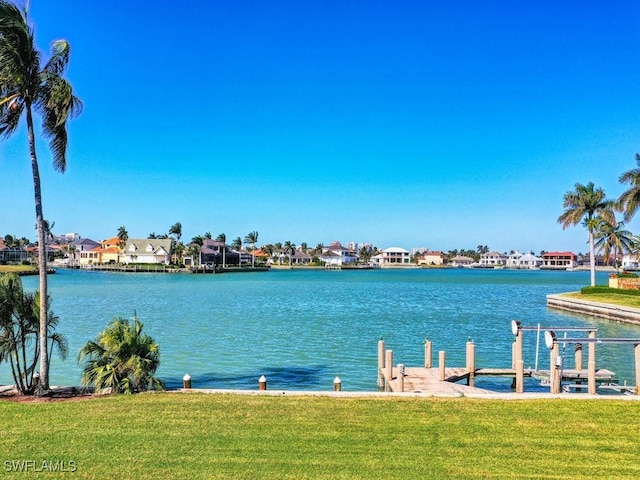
x=303 y=328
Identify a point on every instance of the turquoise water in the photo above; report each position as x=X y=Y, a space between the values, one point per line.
x=301 y=329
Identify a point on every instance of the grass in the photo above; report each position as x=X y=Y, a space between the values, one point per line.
x=174 y=435
x=17 y=268
x=608 y=296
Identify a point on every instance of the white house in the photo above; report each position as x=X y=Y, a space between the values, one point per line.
x=336 y=254
x=630 y=262
x=393 y=256
x=493 y=259
x=148 y=250
x=526 y=260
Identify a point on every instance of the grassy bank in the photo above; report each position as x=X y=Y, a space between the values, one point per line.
x=609 y=296
x=175 y=435
x=17 y=269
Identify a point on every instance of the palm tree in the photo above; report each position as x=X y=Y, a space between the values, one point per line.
x=629 y=201
x=252 y=238
x=122 y=236
x=289 y=248
x=121 y=358
x=612 y=237
x=26 y=85
x=587 y=204
x=176 y=229
x=223 y=239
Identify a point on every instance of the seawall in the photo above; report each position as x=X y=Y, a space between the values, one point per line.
x=603 y=310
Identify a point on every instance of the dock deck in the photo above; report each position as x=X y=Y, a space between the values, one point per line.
x=427 y=380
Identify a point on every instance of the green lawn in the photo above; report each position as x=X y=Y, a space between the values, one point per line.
x=613 y=298
x=17 y=268
x=175 y=435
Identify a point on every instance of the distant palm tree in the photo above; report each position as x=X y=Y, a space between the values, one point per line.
x=587 y=204
x=237 y=246
x=121 y=358
x=289 y=249
x=629 y=201
x=26 y=85
x=207 y=235
x=252 y=238
x=122 y=236
x=176 y=229
x=223 y=238
x=152 y=236
x=612 y=238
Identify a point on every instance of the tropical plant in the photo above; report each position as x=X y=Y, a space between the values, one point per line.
x=122 y=236
x=176 y=229
x=252 y=238
x=289 y=249
x=122 y=358
x=608 y=238
x=587 y=204
x=26 y=85
x=222 y=238
x=20 y=333
x=629 y=201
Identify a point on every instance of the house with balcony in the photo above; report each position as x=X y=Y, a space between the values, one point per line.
x=493 y=259
x=528 y=261
x=335 y=254
x=461 y=261
x=559 y=260
x=392 y=257
x=214 y=252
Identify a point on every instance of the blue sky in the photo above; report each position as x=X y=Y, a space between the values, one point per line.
x=411 y=123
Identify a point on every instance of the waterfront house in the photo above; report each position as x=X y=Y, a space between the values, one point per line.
x=523 y=260
x=393 y=256
x=431 y=258
x=13 y=254
x=559 y=260
x=218 y=253
x=461 y=261
x=148 y=250
x=493 y=259
x=300 y=258
x=336 y=254
x=77 y=247
x=630 y=262
x=107 y=252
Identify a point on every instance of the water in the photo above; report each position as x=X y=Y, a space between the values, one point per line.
x=301 y=329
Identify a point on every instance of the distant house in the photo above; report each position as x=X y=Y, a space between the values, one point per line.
x=218 y=253
x=559 y=260
x=393 y=256
x=148 y=250
x=13 y=254
x=300 y=258
x=524 y=260
x=630 y=262
x=461 y=261
x=431 y=258
x=77 y=247
x=107 y=252
x=336 y=254
x=493 y=259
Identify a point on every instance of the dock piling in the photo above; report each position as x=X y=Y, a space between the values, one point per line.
x=442 y=357
x=427 y=354
x=389 y=370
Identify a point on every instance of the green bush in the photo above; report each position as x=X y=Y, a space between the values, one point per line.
x=625 y=275
x=606 y=290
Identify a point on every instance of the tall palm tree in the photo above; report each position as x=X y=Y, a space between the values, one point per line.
x=629 y=202
x=587 y=204
x=122 y=236
x=26 y=85
x=121 y=358
x=289 y=249
x=252 y=238
x=223 y=239
x=176 y=229
x=614 y=238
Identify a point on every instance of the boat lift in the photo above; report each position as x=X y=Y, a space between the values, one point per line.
x=556 y=360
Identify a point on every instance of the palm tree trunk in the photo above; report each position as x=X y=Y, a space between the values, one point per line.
x=43 y=384
x=592 y=259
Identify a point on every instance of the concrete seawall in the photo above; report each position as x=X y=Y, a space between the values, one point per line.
x=603 y=310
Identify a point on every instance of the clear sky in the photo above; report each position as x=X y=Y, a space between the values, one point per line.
x=409 y=123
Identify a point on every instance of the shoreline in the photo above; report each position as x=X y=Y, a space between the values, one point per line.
x=607 y=311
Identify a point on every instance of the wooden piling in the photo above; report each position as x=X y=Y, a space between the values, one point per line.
x=388 y=369
x=578 y=361
x=400 y=377
x=427 y=354
x=380 y=363
x=518 y=361
x=471 y=363
x=442 y=357
x=554 y=369
x=591 y=374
